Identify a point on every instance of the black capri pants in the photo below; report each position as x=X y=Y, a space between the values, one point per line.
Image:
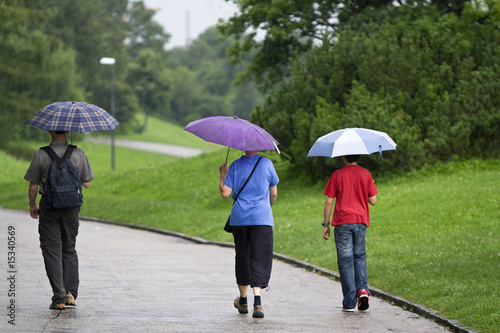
x=254 y=254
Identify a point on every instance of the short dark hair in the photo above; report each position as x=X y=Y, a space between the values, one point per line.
x=352 y=158
x=60 y=132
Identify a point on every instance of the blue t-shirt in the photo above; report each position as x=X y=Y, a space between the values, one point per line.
x=253 y=206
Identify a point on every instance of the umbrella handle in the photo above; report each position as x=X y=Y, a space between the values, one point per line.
x=227 y=155
x=380 y=153
x=275 y=146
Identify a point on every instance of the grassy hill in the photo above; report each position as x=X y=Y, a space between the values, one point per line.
x=433 y=240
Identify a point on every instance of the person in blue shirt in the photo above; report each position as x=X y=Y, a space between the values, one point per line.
x=251 y=223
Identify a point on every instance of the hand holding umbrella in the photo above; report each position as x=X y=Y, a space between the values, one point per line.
x=223 y=169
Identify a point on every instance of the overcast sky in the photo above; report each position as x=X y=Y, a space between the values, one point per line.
x=184 y=19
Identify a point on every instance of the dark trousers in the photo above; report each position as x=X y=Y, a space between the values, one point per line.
x=254 y=255
x=58 y=231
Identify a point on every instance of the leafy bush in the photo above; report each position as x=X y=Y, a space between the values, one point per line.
x=414 y=73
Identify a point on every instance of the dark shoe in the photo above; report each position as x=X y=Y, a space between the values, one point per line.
x=344 y=309
x=58 y=306
x=242 y=308
x=363 y=300
x=258 y=311
x=70 y=299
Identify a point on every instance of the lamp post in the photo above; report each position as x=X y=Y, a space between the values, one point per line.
x=111 y=61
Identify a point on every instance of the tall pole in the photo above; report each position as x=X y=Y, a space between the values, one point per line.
x=111 y=61
x=188 y=35
x=113 y=113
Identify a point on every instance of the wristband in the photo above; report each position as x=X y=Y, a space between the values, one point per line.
x=325 y=224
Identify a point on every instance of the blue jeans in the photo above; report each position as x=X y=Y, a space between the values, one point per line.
x=350 y=241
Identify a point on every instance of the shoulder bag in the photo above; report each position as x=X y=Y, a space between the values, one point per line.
x=227 y=227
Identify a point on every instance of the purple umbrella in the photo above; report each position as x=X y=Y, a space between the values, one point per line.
x=233 y=132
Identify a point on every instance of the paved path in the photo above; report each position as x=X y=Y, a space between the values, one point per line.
x=161 y=148
x=140 y=281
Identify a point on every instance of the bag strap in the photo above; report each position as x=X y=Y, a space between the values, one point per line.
x=53 y=154
x=251 y=173
x=69 y=151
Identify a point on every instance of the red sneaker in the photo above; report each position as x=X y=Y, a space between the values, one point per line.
x=363 y=300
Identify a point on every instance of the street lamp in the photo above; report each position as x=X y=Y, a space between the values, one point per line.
x=111 y=61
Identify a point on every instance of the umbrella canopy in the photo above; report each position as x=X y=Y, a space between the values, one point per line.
x=233 y=132
x=74 y=117
x=352 y=141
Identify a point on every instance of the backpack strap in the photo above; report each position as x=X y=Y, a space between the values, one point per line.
x=69 y=151
x=53 y=154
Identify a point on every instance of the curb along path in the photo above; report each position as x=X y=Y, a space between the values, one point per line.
x=189 y=152
x=396 y=301
x=135 y=280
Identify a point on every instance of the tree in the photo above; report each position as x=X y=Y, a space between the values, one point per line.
x=35 y=70
x=411 y=72
x=144 y=32
x=245 y=100
x=206 y=56
x=96 y=29
x=150 y=82
x=184 y=92
x=274 y=31
x=287 y=26
x=93 y=33
x=203 y=77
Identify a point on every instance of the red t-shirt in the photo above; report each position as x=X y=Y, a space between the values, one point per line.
x=351 y=186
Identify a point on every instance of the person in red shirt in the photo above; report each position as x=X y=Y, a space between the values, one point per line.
x=351 y=188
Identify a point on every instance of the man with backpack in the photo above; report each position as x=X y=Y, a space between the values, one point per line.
x=59 y=179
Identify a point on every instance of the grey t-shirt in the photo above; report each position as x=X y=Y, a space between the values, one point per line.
x=39 y=168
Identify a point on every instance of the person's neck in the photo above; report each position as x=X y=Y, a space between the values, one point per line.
x=346 y=162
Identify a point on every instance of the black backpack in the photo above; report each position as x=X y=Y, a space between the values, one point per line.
x=63 y=188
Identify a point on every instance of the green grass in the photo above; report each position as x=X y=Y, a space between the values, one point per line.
x=99 y=156
x=433 y=239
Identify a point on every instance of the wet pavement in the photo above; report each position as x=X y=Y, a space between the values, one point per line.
x=154 y=147
x=133 y=280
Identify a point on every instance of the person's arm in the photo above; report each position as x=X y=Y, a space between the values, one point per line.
x=327 y=212
x=32 y=193
x=273 y=194
x=225 y=191
x=372 y=200
x=85 y=170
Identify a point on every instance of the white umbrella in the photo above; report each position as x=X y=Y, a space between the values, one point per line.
x=352 y=141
